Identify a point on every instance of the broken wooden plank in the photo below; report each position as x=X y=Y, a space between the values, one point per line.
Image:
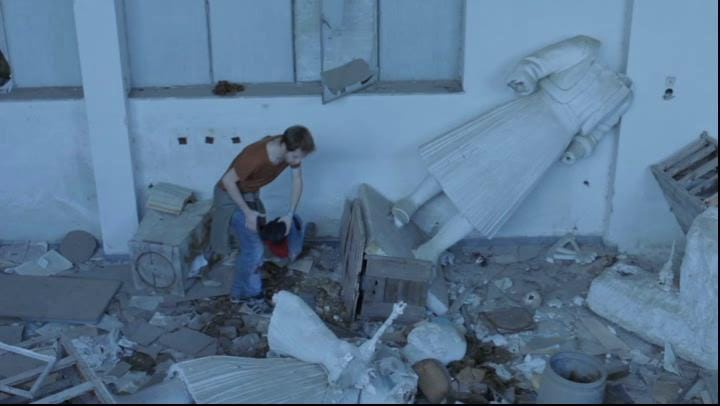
x=101 y=391
x=67 y=394
x=78 y=300
x=398 y=268
x=353 y=259
x=32 y=341
x=26 y=352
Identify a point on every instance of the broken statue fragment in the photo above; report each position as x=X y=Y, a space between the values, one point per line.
x=489 y=165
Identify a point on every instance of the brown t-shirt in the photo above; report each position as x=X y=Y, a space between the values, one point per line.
x=254 y=168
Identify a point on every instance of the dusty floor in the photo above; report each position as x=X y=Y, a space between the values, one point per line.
x=141 y=336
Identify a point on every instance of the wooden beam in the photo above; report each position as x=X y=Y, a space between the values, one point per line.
x=67 y=394
x=101 y=390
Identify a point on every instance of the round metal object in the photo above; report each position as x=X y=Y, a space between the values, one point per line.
x=78 y=246
x=155 y=270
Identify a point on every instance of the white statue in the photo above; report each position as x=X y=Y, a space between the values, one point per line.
x=487 y=166
x=295 y=330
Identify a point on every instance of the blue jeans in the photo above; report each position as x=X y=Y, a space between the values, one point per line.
x=248 y=282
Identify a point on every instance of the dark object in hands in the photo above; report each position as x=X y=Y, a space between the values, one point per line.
x=273 y=231
x=5 y=72
x=225 y=88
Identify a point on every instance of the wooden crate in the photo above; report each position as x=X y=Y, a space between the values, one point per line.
x=689 y=179
x=165 y=245
x=388 y=280
x=373 y=283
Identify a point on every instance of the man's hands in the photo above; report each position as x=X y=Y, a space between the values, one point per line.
x=288 y=220
x=251 y=219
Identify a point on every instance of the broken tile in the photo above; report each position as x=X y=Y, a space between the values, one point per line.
x=303 y=265
x=246 y=345
x=186 y=341
x=142 y=333
x=149 y=303
x=49 y=264
x=228 y=331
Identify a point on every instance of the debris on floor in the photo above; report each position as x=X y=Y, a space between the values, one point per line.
x=505 y=320
x=49 y=264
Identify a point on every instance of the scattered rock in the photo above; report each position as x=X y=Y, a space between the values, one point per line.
x=433 y=380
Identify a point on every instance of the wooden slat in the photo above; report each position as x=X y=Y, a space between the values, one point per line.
x=704 y=185
x=67 y=394
x=373 y=290
x=684 y=166
x=345 y=225
x=380 y=311
x=685 y=206
x=15 y=391
x=398 y=268
x=99 y=387
x=355 y=252
x=26 y=352
x=700 y=172
x=33 y=341
x=679 y=156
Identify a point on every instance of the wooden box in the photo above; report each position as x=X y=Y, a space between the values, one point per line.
x=373 y=283
x=689 y=179
x=165 y=245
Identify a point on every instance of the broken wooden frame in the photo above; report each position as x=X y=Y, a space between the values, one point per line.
x=55 y=364
x=689 y=179
x=51 y=362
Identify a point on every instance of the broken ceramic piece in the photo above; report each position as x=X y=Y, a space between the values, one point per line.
x=567 y=249
x=438 y=340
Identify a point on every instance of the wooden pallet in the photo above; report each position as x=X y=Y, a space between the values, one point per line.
x=689 y=179
x=53 y=393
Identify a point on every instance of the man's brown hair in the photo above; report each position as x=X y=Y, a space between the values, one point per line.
x=298 y=137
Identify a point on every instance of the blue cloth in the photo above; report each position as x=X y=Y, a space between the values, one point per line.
x=248 y=282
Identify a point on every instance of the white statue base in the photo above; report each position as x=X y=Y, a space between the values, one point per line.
x=688 y=319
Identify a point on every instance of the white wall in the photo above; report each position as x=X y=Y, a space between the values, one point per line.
x=374 y=138
x=47 y=186
x=668 y=38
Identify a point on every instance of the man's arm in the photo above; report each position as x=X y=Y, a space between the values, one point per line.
x=230 y=180
x=297 y=188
